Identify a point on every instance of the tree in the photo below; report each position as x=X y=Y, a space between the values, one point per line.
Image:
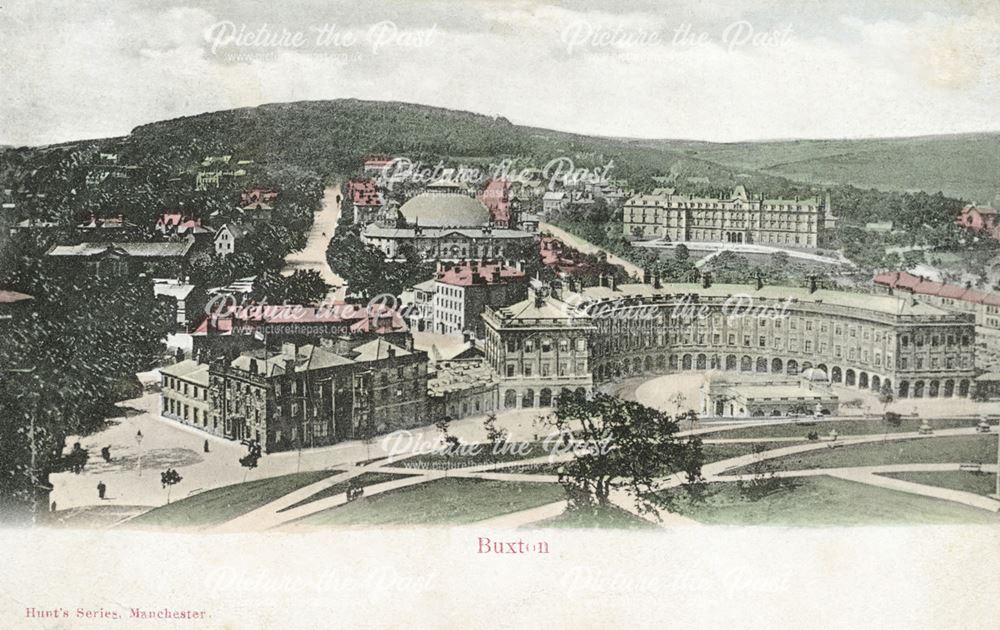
x=622 y=445
x=681 y=252
x=168 y=479
x=495 y=436
x=249 y=461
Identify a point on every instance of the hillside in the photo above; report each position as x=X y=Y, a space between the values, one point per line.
x=966 y=166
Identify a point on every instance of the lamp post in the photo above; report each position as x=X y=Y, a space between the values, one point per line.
x=138 y=442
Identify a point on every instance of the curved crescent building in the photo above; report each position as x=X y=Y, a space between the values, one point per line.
x=444 y=226
x=575 y=340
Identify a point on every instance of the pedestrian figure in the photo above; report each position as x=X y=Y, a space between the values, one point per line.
x=101 y=489
x=53 y=508
x=206 y=446
x=106 y=454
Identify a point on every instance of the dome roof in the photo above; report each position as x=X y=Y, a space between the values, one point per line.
x=815 y=375
x=442 y=209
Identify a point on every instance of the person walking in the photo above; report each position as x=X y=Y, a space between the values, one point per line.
x=106 y=454
x=101 y=489
x=206 y=446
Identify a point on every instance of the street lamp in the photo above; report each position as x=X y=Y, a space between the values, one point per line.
x=138 y=442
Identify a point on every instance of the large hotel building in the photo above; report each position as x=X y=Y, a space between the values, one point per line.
x=562 y=340
x=737 y=219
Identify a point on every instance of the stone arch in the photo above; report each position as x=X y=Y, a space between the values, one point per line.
x=746 y=364
x=963 y=387
x=887 y=384
x=949 y=388
x=822 y=366
x=776 y=412
x=730 y=361
x=758 y=414
x=836 y=374
x=581 y=392
x=876 y=383
x=701 y=362
x=761 y=364
x=686 y=362
x=648 y=364
x=933 y=389
x=528 y=398
x=805 y=366
x=510 y=399
x=715 y=362
x=545 y=397
x=672 y=361
x=777 y=366
x=636 y=365
x=849 y=377
x=661 y=362
x=863 y=380
x=904 y=389
x=792 y=367
x=918 y=389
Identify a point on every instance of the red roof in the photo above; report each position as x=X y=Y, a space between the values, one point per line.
x=468 y=273
x=362 y=192
x=922 y=286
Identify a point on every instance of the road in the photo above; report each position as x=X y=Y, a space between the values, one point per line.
x=313 y=256
x=589 y=248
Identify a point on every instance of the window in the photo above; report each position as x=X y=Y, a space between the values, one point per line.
x=527 y=369
x=546 y=345
x=762 y=341
x=510 y=370
x=529 y=346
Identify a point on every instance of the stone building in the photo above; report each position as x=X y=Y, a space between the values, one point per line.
x=444 y=226
x=740 y=218
x=859 y=340
x=737 y=395
x=184 y=395
x=312 y=396
x=539 y=347
x=463 y=290
x=458 y=389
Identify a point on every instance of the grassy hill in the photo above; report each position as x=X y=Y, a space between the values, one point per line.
x=966 y=166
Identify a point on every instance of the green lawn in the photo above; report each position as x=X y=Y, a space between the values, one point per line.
x=974 y=482
x=955 y=449
x=843 y=427
x=825 y=501
x=440 y=502
x=219 y=505
x=90 y=517
x=610 y=517
x=361 y=481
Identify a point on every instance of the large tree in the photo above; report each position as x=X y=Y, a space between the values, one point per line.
x=622 y=445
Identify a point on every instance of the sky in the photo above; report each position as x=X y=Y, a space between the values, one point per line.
x=690 y=69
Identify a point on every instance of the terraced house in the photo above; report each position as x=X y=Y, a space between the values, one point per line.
x=860 y=340
x=739 y=218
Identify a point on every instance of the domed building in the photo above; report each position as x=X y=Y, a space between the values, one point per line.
x=444 y=210
x=447 y=227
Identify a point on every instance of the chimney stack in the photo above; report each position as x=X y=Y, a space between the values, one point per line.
x=760 y=281
x=612 y=282
x=539 y=298
x=812 y=284
x=656 y=280
x=706 y=279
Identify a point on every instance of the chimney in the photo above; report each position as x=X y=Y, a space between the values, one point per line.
x=612 y=283
x=391 y=352
x=601 y=282
x=656 y=280
x=539 y=298
x=706 y=279
x=812 y=284
x=759 y=280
